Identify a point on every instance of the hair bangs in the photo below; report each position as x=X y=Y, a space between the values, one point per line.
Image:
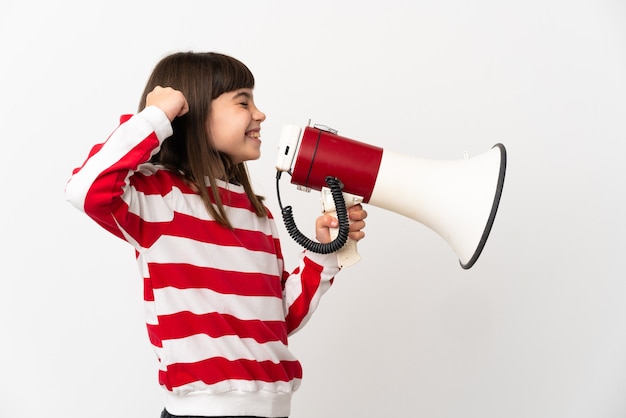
x=229 y=74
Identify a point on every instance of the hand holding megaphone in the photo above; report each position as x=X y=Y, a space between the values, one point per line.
x=348 y=254
x=456 y=199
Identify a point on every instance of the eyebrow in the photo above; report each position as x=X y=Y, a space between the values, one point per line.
x=242 y=93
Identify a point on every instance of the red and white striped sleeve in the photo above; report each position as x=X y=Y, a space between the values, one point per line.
x=303 y=289
x=99 y=185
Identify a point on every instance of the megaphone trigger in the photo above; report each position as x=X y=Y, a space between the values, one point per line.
x=348 y=254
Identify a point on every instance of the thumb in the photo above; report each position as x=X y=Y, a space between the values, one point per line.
x=322 y=233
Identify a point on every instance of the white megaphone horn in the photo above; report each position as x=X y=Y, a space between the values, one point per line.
x=457 y=199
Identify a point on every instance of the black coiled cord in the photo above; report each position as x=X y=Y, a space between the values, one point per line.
x=336 y=187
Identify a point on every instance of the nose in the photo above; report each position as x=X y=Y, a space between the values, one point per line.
x=258 y=115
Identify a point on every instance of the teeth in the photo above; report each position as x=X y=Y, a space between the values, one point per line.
x=255 y=134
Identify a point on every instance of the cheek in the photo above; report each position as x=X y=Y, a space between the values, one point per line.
x=217 y=130
x=227 y=129
x=225 y=138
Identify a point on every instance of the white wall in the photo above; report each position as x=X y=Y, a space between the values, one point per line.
x=537 y=329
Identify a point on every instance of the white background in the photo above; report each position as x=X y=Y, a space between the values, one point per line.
x=536 y=329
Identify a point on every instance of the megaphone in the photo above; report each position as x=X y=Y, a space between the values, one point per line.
x=457 y=199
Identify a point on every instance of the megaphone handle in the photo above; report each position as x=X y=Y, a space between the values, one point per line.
x=348 y=254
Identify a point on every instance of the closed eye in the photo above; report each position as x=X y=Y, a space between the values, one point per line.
x=243 y=98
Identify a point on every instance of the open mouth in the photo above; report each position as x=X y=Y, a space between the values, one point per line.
x=254 y=134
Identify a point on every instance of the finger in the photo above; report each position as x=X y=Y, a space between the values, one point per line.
x=326 y=221
x=357 y=226
x=357 y=215
x=355 y=208
x=356 y=235
x=322 y=225
x=184 y=109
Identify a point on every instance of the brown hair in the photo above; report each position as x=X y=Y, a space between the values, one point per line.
x=201 y=77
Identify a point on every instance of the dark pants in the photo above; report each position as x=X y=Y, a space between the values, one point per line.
x=166 y=414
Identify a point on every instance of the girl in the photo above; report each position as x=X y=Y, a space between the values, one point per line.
x=172 y=181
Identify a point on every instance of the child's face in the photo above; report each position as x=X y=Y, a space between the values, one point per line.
x=235 y=125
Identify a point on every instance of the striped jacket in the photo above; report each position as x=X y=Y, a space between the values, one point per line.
x=219 y=304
